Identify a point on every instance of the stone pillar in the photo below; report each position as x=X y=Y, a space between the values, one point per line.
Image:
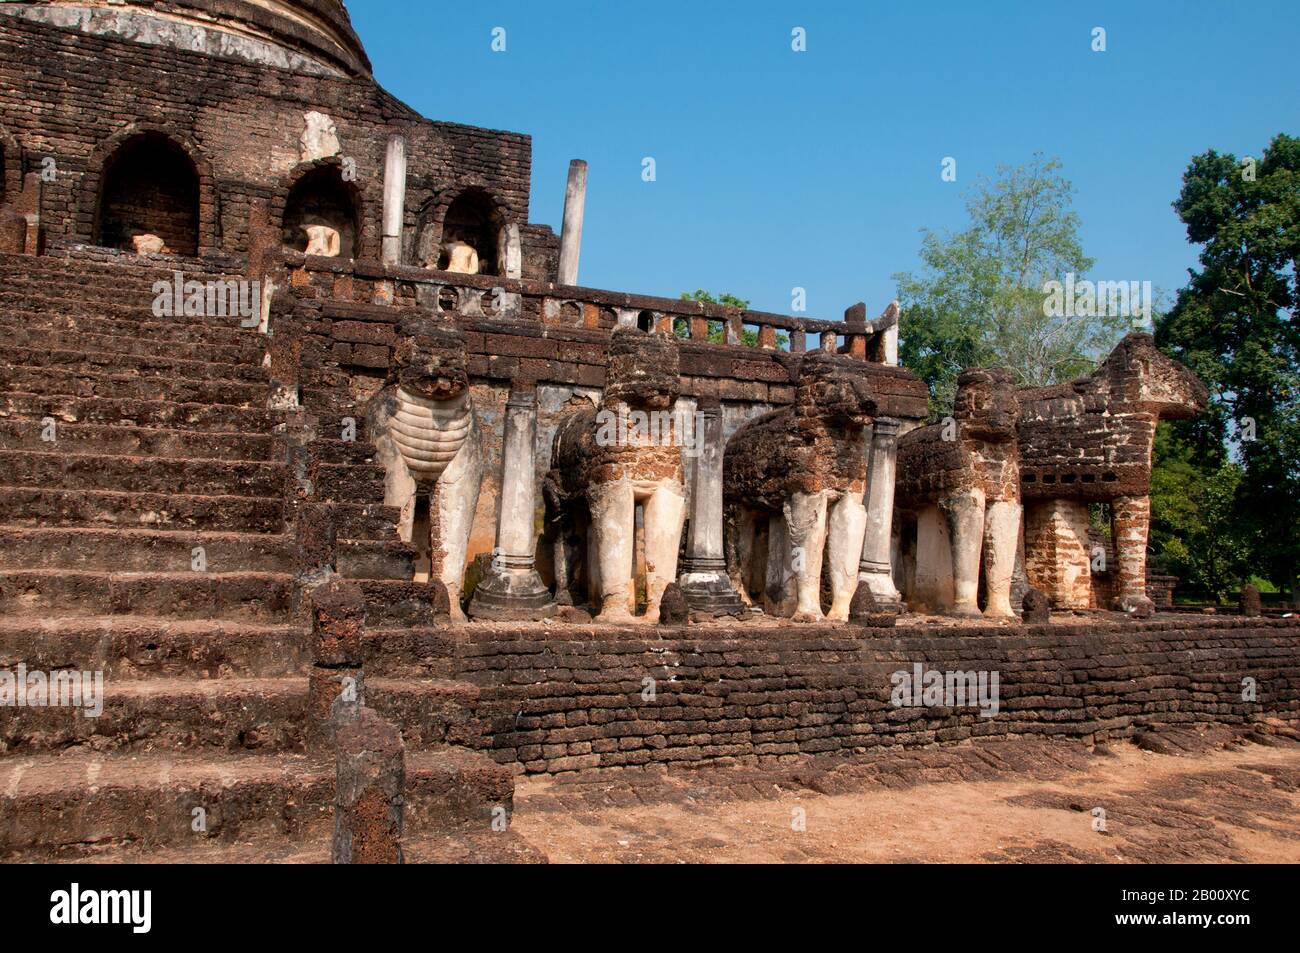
x=335 y=685
x=369 y=792
x=511 y=588
x=575 y=204
x=512 y=265
x=703 y=580
x=394 y=200
x=1130 y=526
x=875 y=570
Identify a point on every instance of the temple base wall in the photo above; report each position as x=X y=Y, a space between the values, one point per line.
x=595 y=698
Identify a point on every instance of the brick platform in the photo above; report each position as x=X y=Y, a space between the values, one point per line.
x=573 y=701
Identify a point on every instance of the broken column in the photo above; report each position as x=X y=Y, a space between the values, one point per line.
x=876 y=569
x=575 y=202
x=369 y=792
x=394 y=199
x=336 y=686
x=511 y=588
x=704 y=581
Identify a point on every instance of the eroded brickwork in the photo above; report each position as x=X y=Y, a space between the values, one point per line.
x=565 y=704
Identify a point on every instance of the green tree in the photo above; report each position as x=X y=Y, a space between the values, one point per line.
x=980 y=299
x=1235 y=325
x=1196 y=530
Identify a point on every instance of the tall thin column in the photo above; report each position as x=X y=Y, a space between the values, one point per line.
x=394 y=199
x=512 y=589
x=575 y=204
x=875 y=571
x=704 y=581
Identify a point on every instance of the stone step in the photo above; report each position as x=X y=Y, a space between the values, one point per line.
x=102 y=302
x=152 y=332
x=149 y=366
x=103 y=267
x=247 y=596
x=395 y=604
x=128 y=440
x=141 y=550
x=357 y=483
x=73 y=801
x=154 y=550
x=233 y=714
x=35 y=507
x=205 y=416
x=61 y=470
x=53 y=382
x=134 y=647
x=140 y=343
x=367 y=522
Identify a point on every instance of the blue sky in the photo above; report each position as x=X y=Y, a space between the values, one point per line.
x=778 y=169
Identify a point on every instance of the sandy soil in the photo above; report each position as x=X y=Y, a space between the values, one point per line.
x=1222 y=804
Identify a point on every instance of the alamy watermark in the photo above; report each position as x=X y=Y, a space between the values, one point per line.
x=1086 y=299
x=179 y=298
x=20 y=688
x=654 y=428
x=920 y=688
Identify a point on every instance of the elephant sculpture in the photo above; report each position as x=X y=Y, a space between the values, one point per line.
x=959 y=490
x=793 y=482
x=427 y=442
x=606 y=461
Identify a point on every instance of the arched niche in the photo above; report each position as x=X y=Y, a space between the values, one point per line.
x=149 y=185
x=471 y=216
x=320 y=196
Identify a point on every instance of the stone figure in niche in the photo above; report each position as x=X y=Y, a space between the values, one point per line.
x=149 y=245
x=322 y=240
x=462 y=259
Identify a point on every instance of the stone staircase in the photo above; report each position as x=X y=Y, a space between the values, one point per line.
x=131 y=446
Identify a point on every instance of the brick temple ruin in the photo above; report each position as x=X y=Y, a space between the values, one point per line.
x=309 y=434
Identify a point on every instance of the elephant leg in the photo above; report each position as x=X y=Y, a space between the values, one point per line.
x=613 y=510
x=1130 y=527
x=399 y=485
x=845 y=530
x=964 y=512
x=564 y=554
x=451 y=517
x=741 y=572
x=777 y=590
x=664 y=514
x=1001 y=539
x=805 y=517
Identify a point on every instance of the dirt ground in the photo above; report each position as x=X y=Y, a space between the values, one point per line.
x=1183 y=796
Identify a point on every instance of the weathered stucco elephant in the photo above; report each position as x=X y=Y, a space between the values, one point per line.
x=425 y=438
x=795 y=477
x=605 y=462
x=959 y=488
x=1090 y=441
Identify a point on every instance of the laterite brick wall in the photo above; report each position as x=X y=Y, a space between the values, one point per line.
x=568 y=703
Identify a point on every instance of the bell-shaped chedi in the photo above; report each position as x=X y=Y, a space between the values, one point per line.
x=306 y=36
